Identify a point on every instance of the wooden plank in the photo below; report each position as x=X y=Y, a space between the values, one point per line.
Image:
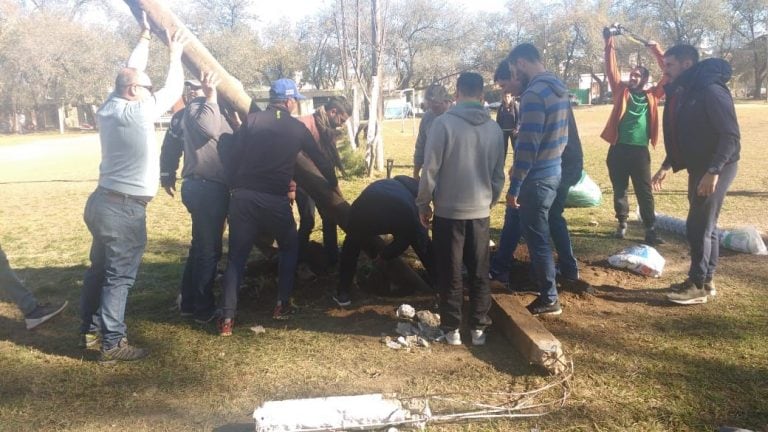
x=527 y=333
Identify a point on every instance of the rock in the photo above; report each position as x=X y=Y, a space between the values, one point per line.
x=406 y=311
x=258 y=329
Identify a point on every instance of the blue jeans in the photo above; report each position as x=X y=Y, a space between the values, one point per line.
x=251 y=213
x=558 y=229
x=11 y=284
x=535 y=199
x=306 y=207
x=119 y=230
x=508 y=241
x=207 y=203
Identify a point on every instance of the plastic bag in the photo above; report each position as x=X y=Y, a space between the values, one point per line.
x=585 y=193
x=744 y=239
x=640 y=259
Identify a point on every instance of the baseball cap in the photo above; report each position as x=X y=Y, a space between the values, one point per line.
x=284 y=88
x=193 y=83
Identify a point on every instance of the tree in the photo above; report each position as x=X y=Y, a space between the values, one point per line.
x=750 y=20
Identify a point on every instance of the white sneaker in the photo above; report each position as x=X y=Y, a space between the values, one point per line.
x=478 y=337
x=693 y=295
x=453 y=337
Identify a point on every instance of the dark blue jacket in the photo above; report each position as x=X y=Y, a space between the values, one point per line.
x=572 y=157
x=700 y=128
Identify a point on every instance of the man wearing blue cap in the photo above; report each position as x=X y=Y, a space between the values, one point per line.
x=261 y=164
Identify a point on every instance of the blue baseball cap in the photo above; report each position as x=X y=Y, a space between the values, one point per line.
x=283 y=89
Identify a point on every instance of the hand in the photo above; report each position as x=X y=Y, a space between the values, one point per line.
x=209 y=82
x=512 y=201
x=707 y=185
x=651 y=44
x=170 y=190
x=658 y=178
x=177 y=42
x=425 y=217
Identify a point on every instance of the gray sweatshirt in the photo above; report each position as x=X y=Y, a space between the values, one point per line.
x=203 y=124
x=463 y=171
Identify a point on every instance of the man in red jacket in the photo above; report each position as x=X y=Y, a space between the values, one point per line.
x=634 y=121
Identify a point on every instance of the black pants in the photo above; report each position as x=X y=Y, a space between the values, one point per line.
x=458 y=242
x=701 y=225
x=509 y=141
x=631 y=162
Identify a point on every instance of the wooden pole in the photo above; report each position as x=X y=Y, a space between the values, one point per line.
x=197 y=58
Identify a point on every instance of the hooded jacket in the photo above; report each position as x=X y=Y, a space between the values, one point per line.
x=543 y=131
x=701 y=132
x=463 y=171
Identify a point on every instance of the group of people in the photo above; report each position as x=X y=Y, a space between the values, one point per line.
x=242 y=173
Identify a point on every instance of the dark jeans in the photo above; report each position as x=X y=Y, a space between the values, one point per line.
x=11 y=284
x=306 y=207
x=509 y=141
x=631 y=162
x=119 y=230
x=511 y=232
x=558 y=229
x=535 y=199
x=207 y=203
x=457 y=243
x=701 y=225
x=250 y=214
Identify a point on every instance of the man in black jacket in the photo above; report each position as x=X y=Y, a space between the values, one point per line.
x=383 y=207
x=261 y=164
x=701 y=135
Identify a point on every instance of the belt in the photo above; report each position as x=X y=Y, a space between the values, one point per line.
x=201 y=178
x=109 y=192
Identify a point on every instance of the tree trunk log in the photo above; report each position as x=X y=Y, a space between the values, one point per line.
x=197 y=58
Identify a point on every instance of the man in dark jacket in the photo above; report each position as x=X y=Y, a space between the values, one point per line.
x=384 y=207
x=701 y=135
x=507 y=116
x=260 y=165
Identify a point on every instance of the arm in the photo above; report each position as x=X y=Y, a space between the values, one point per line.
x=658 y=90
x=170 y=153
x=174 y=82
x=396 y=248
x=532 y=118
x=611 y=67
x=325 y=167
x=421 y=142
x=722 y=115
x=140 y=53
x=433 y=159
x=497 y=177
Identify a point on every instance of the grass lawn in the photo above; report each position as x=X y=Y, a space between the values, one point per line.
x=640 y=364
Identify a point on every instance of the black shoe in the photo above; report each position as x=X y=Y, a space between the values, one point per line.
x=122 y=352
x=653 y=239
x=43 y=313
x=541 y=307
x=342 y=299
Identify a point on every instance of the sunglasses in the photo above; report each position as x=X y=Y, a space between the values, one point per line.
x=148 y=87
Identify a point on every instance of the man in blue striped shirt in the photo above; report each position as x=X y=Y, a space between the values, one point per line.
x=536 y=171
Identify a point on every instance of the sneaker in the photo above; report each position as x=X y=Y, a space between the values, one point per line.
x=709 y=287
x=283 y=311
x=122 y=352
x=453 y=337
x=225 y=326
x=621 y=230
x=478 y=337
x=89 y=340
x=342 y=299
x=43 y=313
x=652 y=238
x=692 y=295
x=541 y=307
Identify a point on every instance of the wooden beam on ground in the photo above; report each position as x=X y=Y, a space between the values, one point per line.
x=527 y=333
x=197 y=58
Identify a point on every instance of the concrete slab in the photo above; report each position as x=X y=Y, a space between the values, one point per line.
x=527 y=333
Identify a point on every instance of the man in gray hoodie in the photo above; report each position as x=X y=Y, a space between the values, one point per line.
x=462 y=176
